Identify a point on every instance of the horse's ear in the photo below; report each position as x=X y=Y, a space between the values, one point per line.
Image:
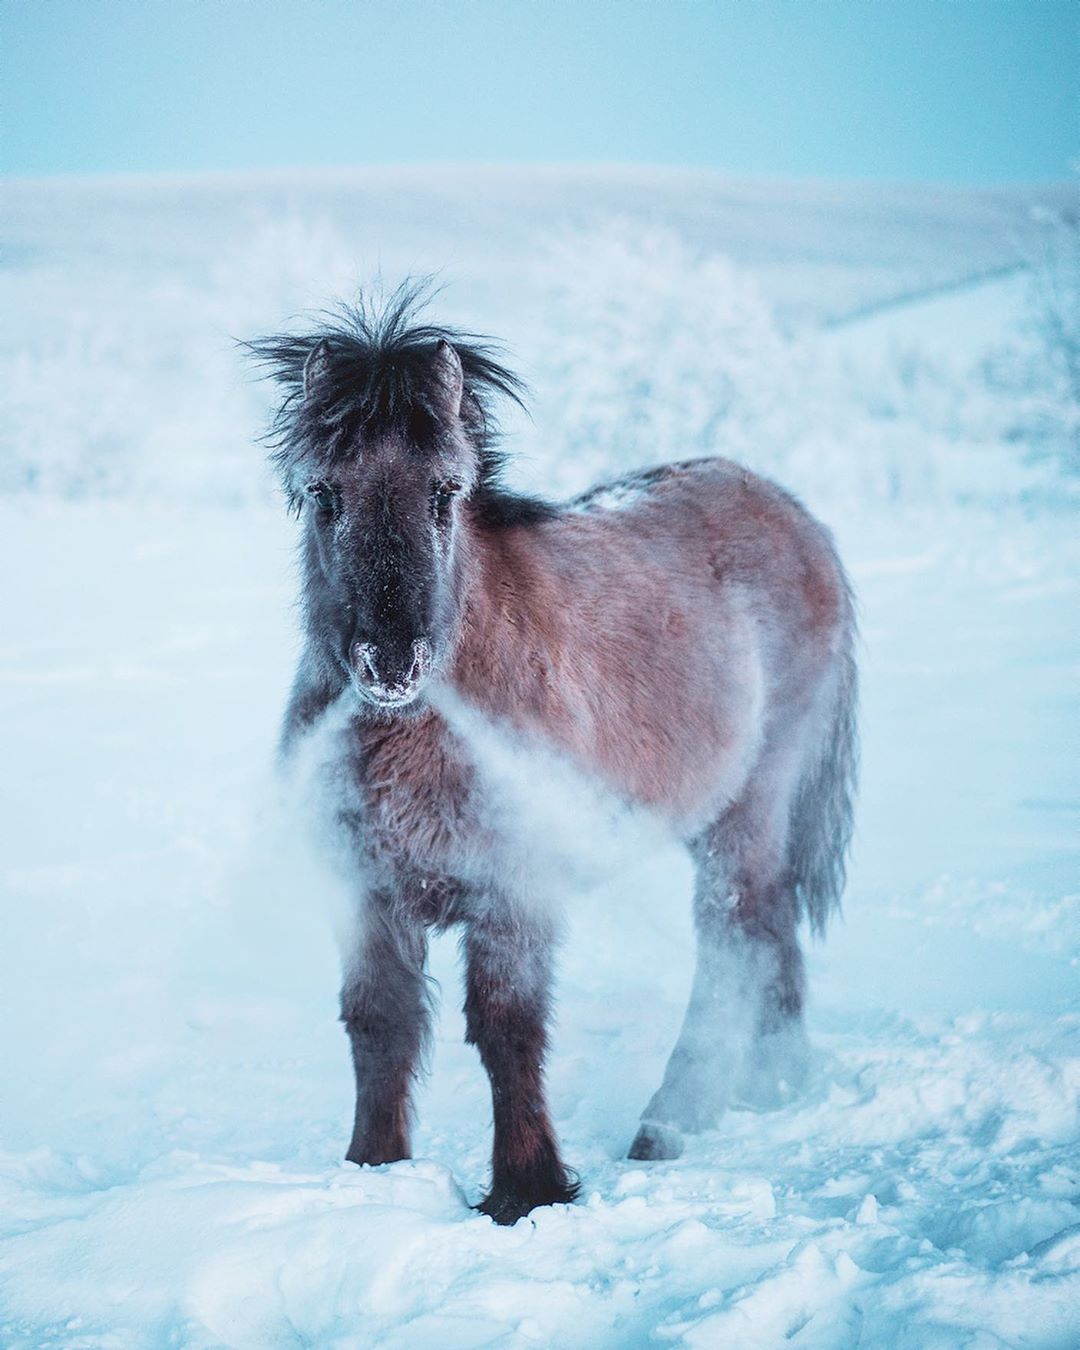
x=316 y=367
x=450 y=378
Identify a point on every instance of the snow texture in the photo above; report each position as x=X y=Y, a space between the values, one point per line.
x=175 y=1090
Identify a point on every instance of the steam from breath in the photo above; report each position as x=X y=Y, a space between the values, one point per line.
x=557 y=829
x=315 y=787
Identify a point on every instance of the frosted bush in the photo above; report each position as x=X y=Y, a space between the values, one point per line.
x=640 y=347
x=1035 y=375
x=147 y=394
x=1055 y=323
x=654 y=350
x=277 y=267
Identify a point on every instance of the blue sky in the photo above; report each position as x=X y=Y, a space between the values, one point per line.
x=975 y=91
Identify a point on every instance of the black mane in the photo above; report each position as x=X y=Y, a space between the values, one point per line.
x=378 y=377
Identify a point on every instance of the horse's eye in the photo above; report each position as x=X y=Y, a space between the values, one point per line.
x=322 y=494
x=442 y=497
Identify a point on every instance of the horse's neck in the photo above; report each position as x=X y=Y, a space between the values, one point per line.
x=514 y=624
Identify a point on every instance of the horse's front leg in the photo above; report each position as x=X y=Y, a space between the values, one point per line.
x=385 y=1008
x=508 y=996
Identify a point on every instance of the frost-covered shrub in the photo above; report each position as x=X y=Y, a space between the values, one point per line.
x=640 y=346
x=279 y=267
x=123 y=405
x=1037 y=372
x=1056 y=323
x=654 y=350
x=146 y=394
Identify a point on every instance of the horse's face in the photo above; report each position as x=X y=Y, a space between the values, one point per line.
x=385 y=538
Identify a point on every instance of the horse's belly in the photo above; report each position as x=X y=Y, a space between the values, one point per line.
x=688 y=768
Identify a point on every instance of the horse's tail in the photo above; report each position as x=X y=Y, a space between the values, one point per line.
x=821 y=815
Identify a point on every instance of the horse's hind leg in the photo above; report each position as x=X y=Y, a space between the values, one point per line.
x=742 y=1036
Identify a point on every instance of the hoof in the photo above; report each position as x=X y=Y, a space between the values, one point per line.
x=508 y=1203
x=655 y=1142
x=375 y=1157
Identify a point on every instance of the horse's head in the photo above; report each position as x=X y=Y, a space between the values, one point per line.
x=384 y=536
x=384 y=445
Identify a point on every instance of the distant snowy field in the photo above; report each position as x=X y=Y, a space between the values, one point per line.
x=174 y=1088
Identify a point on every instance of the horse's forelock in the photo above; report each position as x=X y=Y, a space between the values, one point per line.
x=365 y=372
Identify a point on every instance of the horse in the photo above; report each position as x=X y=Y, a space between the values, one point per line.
x=682 y=637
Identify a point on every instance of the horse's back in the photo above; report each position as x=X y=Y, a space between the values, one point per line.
x=716 y=519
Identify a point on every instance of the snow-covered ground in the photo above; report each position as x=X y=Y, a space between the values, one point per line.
x=174 y=1087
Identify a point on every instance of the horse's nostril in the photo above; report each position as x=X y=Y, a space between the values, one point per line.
x=421 y=660
x=362 y=655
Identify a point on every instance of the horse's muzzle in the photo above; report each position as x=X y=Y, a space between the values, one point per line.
x=376 y=678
